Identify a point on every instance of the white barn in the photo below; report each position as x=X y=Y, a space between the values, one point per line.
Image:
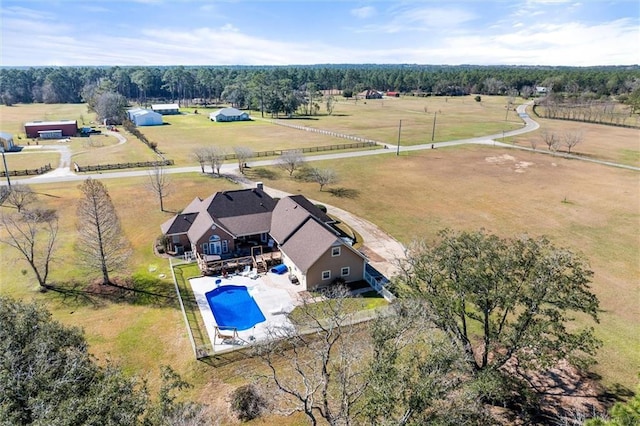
x=229 y=114
x=166 y=109
x=144 y=117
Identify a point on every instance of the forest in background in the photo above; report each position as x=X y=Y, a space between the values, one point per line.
x=247 y=86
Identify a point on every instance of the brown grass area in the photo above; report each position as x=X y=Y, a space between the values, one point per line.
x=31 y=160
x=589 y=208
x=609 y=143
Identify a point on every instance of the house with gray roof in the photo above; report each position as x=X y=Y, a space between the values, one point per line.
x=229 y=114
x=230 y=224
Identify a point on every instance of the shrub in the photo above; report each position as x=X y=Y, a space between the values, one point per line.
x=478 y=98
x=322 y=208
x=247 y=402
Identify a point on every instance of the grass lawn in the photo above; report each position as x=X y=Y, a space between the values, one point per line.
x=30 y=160
x=456 y=118
x=589 y=208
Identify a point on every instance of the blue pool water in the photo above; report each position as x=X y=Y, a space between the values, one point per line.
x=234 y=308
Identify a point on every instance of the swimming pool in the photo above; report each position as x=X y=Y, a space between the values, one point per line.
x=234 y=308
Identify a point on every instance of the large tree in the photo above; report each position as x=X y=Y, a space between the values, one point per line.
x=33 y=234
x=111 y=107
x=415 y=375
x=48 y=377
x=101 y=243
x=504 y=300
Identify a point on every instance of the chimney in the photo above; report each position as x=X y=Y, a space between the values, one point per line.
x=260 y=186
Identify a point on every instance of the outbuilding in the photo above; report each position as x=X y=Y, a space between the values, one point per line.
x=6 y=141
x=51 y=129
x=144 y=117
x=229 y=114
x=166 y=109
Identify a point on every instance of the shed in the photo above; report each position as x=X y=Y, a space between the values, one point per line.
x=66 y=128
x=6 y=141
x=145 y=117
x=229 y=114
x=166 y=109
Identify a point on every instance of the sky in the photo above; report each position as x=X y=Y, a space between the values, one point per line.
x=301 y=32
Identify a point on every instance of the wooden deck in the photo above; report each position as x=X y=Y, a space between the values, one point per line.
x=261 y=262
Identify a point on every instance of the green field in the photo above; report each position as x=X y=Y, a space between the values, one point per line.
x=590 y=208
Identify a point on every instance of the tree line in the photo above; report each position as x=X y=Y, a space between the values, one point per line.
x=257 y=86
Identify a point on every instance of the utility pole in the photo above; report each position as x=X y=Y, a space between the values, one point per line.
x=399 y=131
x=433 y=132
x=6 y=170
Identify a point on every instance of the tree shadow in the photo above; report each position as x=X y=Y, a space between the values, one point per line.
x=136 y=290
x=342 y=192
x=304 y=174
x=261 y=173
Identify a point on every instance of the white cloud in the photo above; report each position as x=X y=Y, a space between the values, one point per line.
x=422 y=19
x=363 y=12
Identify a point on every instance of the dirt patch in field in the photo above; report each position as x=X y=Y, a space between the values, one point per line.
x=516 y=166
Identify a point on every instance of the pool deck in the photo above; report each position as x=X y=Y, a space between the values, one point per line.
x=274 y=294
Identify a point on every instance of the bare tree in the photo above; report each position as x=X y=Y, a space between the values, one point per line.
x=571 y=139
x=159 y=183
x=19 y=196
x=291 y=160
x=101 y=242
x=243 y=154
x=331 y=104
x=33 y=234
x=216 y=157
x=550 y=139
x=534 y=143
x=201 y=155
x=324 y=177
x=315 y=366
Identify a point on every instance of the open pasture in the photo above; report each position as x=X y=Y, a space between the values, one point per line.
x=592 y=209
x=458 y=117
x=185 y=132
x=12 y=118
x=608 y=143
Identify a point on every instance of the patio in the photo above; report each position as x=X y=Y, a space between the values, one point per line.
x=274 y=294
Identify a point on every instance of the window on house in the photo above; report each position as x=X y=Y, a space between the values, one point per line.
x=345 y=271
x=326 y=275
x=335 y=251
x=225 y=246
